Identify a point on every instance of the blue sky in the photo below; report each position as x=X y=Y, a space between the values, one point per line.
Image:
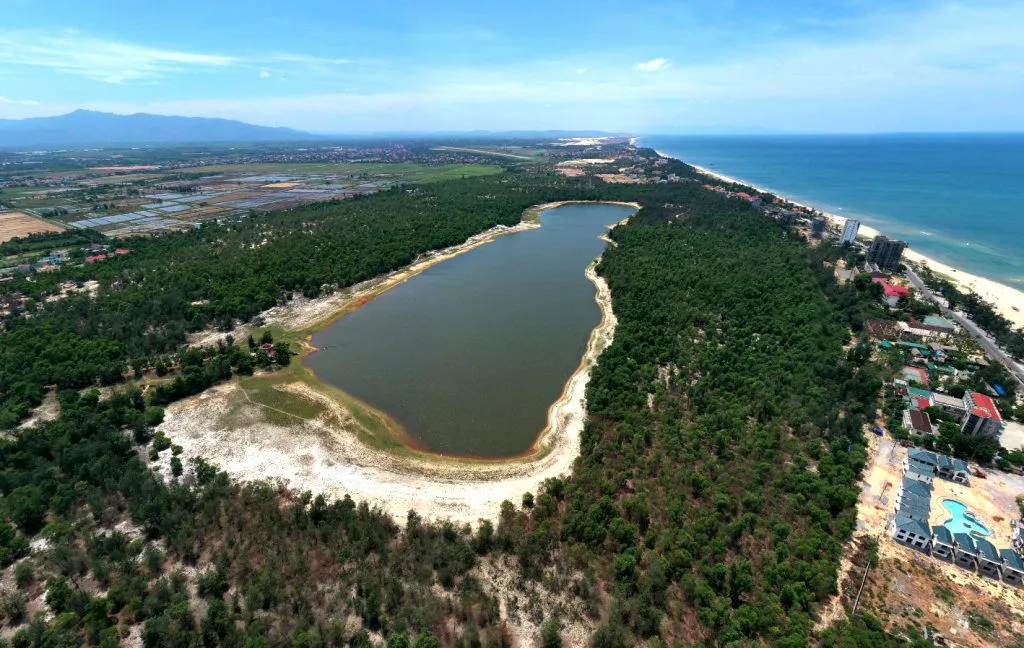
x=685 y=66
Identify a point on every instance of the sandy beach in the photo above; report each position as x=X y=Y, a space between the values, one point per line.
x=1009 y=302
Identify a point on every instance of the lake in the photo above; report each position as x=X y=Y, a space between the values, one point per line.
x=468 y=355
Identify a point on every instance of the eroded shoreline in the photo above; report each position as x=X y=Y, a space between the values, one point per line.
x=326 y=455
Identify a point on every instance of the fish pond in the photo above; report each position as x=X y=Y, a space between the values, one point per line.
x=468 y=356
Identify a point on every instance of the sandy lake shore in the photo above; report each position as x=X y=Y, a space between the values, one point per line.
x=1009 y=302
x=324 y=455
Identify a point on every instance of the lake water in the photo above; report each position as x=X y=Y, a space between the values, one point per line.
x=953 y=197
x=468 y=356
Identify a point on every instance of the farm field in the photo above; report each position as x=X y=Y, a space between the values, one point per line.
x=14 y=224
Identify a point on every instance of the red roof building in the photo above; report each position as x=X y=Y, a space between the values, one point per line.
x=122 y=251
x=95 y=258
x=891 y=289
x=982 y=415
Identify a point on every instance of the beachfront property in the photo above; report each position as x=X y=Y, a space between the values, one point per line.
x=886 y=253
x=939 y=324
x=891 y=293
x=818 y=226
x=989 y=562
x=1013 y=567
x=965 y=554
x=953 y=469
x=910 y=532
x=850 y=229
x=982 y=417
x=950 y=404
x=942 y=543
x=917 y=422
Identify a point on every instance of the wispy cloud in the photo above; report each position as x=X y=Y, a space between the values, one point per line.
x=99 y=59
x=654 y=65
x=264 y=74
x=18 y=102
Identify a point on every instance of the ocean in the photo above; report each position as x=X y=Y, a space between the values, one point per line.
x=957 y=198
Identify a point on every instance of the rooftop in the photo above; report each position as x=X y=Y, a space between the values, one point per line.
x=940 y=322
x=911 y=525
x=984 y=406
x=1011 y=559
x=923 y=456
x=986 y=549
x=942 y=534
x=965 y=543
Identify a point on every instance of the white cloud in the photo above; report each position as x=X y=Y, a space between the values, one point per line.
x=653 y=65
x=264 y=74
x=18 y=102
x=582 y=70
x=99 y=59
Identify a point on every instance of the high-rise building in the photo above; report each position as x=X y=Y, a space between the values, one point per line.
x=850 y=232
x=818 y=227
x=885 y=252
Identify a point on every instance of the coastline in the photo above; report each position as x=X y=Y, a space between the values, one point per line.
x=331 y=454
x=1002 y=297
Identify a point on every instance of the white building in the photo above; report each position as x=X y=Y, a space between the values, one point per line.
x=850 y=231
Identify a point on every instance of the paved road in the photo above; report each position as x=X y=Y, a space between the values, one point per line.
x=987 y=342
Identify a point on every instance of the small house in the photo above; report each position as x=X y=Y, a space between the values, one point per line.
x=911 y=532
x=954 y=469
x=965 y=555
x=942 y=543
x=990 y=563
x=923 y=456
x=950 y=404
x=920 y=511
x=917 y=422
x=912 y=499
x=914 y=487
x=1013 y=567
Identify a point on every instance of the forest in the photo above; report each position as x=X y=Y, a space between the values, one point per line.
x=715 y=489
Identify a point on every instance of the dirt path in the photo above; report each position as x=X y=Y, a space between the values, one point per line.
x=324 y=455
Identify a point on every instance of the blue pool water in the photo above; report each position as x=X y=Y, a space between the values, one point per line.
x=962 y=521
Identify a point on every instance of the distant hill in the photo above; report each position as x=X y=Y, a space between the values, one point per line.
x=91 y=128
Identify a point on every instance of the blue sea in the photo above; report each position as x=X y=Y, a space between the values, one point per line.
x=956 y=198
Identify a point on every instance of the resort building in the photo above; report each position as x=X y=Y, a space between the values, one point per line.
x=954 y=469
x=818 y=226
x=1013 y=567
x=911 y=532
x=917 y=422
x=950 y=405
x=990 y=563
x=982 y=416
x=886 y=253
x=850 y=232
x=942 y=543
x=965 y=553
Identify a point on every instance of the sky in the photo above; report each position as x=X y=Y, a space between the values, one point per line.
x=696 y=66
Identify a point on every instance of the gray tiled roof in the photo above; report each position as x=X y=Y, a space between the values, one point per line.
x=1011 y=559
x=923 y=456
x=965 y=542
x=914 y=486
x=986 y=549
x=941 y=534
x=911 y=525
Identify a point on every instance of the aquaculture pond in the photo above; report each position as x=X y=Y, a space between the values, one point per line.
x=469 y=355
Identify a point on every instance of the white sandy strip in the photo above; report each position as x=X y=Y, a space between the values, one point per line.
x=1002 y=297
x=324 y=456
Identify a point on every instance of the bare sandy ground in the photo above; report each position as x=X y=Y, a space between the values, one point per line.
x=14 y=224
x=1009 y=302
x=325 y=456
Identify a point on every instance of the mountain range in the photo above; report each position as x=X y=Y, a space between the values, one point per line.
x=91 y=128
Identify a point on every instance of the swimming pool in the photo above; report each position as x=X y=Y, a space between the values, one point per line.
x=962 y=521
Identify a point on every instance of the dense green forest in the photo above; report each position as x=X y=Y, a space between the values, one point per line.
x=716 y=484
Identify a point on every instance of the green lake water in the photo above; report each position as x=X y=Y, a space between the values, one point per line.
x=468 y=355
